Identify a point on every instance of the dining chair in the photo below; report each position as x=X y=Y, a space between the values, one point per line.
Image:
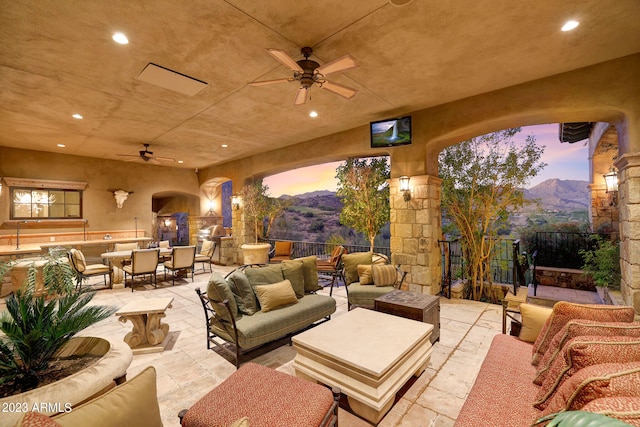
x=182 y=258
x=84 y=270
x=143 y=262
x=206 y=254
x=120 y=247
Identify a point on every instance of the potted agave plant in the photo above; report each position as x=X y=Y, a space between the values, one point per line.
x=38 y=344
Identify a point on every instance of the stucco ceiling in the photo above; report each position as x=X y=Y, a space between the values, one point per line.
x=57 y=58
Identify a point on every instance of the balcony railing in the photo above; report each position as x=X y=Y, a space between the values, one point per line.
x=323 y=250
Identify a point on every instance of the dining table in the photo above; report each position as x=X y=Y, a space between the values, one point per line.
x=116 y=260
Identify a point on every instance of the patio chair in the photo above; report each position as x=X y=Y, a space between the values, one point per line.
x=206 y=254
x=119 y=247
x=282 y=250
x=182 y=258
x=143 y=262
x=84 y=271
x=361 y=293
x=332 y=266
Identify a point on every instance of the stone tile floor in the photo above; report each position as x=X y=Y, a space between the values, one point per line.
x=187 y=370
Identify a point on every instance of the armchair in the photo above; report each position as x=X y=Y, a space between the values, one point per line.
x=143 y=262
x=84 y=271
x=183 y=258
x=206 y=254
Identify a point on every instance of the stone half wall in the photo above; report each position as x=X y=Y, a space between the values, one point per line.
x=416 y=227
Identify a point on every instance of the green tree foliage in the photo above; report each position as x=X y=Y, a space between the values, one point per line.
x=258 y=206
x=35 y=327
x=482 y=184
x=364 y=192
x=603 y=262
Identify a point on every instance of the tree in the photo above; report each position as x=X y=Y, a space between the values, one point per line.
x=364 y=192
x=275 y=208
x=482 y=184
x=256 y=205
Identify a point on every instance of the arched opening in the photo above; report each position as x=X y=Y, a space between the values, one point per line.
x=173 y=216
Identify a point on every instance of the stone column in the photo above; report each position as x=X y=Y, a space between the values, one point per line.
x=415 y=230
x=629 y=202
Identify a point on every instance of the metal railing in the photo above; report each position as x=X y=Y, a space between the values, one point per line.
x=559 y=249
x=323 y=250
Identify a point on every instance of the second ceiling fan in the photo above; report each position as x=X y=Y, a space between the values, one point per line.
x=308 y=72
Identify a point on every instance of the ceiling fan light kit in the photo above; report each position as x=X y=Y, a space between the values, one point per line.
x=309 y=72
x=146 y=156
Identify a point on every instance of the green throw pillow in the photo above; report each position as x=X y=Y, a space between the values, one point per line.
x=351 y=262
x=292 y=271
x=310 y=271
x=243 y=293
x=264 y=275
x=218 y=290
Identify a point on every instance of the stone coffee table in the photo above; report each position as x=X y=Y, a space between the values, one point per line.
x=149 y=334
x=367 y=354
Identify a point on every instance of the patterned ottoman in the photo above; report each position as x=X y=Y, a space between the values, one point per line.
x=268 y=398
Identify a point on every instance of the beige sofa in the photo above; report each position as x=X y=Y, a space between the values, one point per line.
x=255 y=305
x=587 y=357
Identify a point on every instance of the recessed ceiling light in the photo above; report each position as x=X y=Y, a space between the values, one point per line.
x=120 y=38
x=224 y=146
x=313 y=114
x=61 y=145
x=570 y=25
x=77 y=116
x=180 y=161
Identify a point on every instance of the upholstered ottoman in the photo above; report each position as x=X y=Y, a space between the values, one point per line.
x=268 y=398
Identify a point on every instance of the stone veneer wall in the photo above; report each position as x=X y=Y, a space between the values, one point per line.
x=629 y=193
x=415 y=230
x=603 y=212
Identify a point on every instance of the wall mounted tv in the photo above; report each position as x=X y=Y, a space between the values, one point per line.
x=391 y=132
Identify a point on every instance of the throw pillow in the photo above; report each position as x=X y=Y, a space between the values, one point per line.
x=584 y=351
x=133 y=403
x=578 y=328
x=594 y=382
x=351 y=262
x=310 y=271
x=564 y=311
x=264 y=275
x=533 y=319
x=218 y=290
x=365 y=274
x=292 y=271
x=384 y=275
x=243 y=293
x=275 y=295
x=282 y=248
x=36 y=419
x=624 y=408
x=377 y=258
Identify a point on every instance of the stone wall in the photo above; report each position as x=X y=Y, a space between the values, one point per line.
x=415 y=231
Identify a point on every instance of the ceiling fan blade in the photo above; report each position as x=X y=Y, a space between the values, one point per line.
x=285 y=59
x=165 y=159
x=344 y=63
x=154 y=161
x=301 y=96
x=128 y=155
x=338 y=89
x=268 y=82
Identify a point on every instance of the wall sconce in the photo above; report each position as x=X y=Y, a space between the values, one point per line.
x=235 y=201
x=211 y=204
x=611 y=181
x=404 y=187
x=167 y=223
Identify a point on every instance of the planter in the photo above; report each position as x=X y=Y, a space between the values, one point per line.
x=77 y=388
x=255 y=253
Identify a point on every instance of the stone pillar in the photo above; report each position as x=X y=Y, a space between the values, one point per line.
x=415 y=230
x=629 y=203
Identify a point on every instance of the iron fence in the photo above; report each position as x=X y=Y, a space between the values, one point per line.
x=560 y=249
x=323 y=250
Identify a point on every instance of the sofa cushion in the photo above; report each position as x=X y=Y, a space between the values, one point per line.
x=243 y=293
x=351 y=262
x=292 y=271
x=265 y=327
x=593 y=382
x=624 y=408
x=264 y=275
x=218 y=290
x=133 y=403
x=584 y=351
x=503 y=391
x=36 y=419
x=384 y=275
x=564 y=311
x=577 y=328
x=364 y=295
x=365 y=275
x=533 y=319
x=310 y=270
x=275 y=295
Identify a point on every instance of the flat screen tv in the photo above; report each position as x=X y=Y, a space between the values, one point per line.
x=391 y=132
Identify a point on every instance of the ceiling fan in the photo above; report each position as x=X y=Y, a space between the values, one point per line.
x=309 y=72
x=146 y=156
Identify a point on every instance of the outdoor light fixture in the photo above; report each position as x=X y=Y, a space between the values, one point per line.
x=404 y=187
x=611 y=181
x=211 y=204
x=235 y=202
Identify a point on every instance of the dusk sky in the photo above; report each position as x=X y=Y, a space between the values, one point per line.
x=564 y=161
